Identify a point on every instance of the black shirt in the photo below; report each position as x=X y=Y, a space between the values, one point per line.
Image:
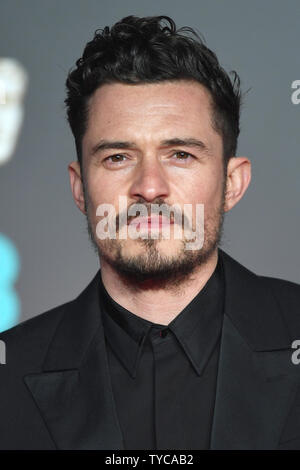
x=164 y=377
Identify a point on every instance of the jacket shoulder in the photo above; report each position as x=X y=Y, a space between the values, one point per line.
x=25 y=346
x=287 y=295
x=27 y=342
x=282 y=287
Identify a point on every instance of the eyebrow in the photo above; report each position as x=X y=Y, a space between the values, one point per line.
x=187 y=142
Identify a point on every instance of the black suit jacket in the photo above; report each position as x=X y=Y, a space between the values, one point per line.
x=55 y=390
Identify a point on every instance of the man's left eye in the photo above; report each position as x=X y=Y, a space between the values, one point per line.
x=182 y=155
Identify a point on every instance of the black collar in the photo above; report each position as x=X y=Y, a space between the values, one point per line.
x=197 y=327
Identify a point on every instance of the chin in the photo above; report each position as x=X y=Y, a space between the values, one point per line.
x=141 y=246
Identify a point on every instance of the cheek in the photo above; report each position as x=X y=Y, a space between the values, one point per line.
x=204 y=190
x=100 y=189
x=207 y=190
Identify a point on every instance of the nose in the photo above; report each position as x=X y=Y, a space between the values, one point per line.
x=149 y=182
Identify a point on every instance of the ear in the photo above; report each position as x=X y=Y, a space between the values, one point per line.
x=238 y=180
x=76 y=185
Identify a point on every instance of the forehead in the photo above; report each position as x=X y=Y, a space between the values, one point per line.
x=150 y=98
x=147 y=111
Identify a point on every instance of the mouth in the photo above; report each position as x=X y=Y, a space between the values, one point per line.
x=153 y=222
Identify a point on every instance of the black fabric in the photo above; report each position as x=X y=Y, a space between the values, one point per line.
x=164 y=377
x=56 y=390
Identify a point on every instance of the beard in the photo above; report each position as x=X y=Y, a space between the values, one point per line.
x=151 y=268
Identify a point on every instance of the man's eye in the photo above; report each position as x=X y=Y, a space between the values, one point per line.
x=183 y=155
x=117 y=158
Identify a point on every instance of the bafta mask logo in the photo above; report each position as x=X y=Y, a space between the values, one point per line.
x=13 y=84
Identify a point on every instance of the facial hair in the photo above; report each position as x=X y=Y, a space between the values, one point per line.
x=152 y=268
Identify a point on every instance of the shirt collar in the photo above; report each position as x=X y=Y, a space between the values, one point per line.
x=197 y=327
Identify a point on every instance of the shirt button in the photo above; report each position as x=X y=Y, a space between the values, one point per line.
x=163 y=333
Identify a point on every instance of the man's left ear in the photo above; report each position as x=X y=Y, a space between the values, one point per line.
x=238 y=180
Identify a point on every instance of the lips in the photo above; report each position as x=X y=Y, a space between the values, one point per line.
x=151 y=222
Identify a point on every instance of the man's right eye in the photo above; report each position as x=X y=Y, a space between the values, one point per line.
x=117 y=158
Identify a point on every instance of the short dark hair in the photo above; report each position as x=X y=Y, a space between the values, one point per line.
x=145 y=50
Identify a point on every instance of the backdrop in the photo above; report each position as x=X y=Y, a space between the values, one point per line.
x=44 y=234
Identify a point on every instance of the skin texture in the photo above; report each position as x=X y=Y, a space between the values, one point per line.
x=156 y=279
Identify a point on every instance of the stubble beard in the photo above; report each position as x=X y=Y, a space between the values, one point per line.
x=151 y=267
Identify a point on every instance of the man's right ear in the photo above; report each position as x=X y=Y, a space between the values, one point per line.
x=76 y=185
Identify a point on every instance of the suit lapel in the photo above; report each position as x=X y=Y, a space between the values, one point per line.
x=74 y=393
x=256 y=378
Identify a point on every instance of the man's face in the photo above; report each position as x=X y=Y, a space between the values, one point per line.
x=150 y=171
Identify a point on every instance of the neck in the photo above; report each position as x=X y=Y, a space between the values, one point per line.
x=156 y=304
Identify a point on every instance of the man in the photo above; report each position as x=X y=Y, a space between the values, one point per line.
x=173 y=344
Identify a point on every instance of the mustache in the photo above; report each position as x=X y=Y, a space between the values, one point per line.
x=174 y=213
